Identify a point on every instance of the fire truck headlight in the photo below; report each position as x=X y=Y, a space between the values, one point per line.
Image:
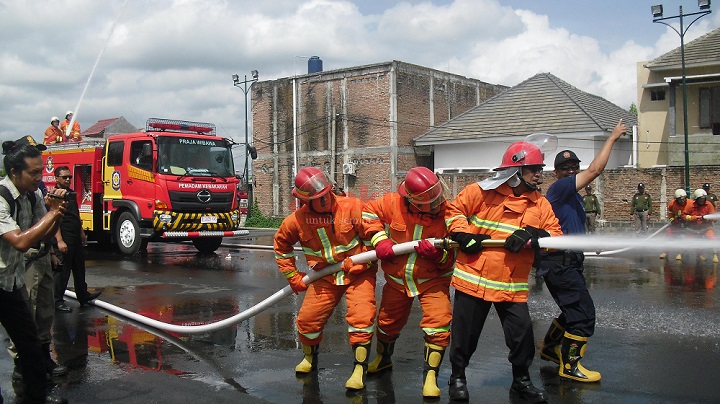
x=234 y=217
x=243 y=203
x=165 y=218
x=160 y=205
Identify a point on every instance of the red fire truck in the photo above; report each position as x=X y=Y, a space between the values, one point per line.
x=175 y=180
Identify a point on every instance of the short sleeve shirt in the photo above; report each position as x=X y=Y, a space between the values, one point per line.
x=12 y=261
x=567 y=205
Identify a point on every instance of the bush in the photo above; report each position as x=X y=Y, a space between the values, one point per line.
x=257 y=219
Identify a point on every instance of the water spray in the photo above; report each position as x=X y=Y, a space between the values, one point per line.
x=92 y=72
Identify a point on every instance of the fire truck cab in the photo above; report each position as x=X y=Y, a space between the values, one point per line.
x=175 y=180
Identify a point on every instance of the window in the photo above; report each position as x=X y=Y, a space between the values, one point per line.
x=141 y=154
x=710 y=109
x=115 y=153
x=657 y=95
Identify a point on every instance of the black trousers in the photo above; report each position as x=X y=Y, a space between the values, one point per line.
x=469 y=315
x=566 y=284
x=72 y=261
x=15 y=316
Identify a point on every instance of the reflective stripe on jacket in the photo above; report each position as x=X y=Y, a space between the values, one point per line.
x=325 y=238
x=410 y=272
x=496 y=274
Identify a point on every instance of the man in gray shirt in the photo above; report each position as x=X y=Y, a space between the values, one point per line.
x=24 y=167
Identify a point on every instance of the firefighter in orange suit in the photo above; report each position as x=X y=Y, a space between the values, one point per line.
x=676 y=218
x=415 y=212
x=329 y=228
x=505 y=206
x=696 y=223
x=53 y=134
x=74 y=135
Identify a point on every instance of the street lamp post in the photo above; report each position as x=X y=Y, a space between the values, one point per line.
x=243 y=85
x=657 y=12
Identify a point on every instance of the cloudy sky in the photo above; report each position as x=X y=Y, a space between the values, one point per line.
x=175 y=58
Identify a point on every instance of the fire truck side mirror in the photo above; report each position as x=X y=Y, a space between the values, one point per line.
x=253 y=152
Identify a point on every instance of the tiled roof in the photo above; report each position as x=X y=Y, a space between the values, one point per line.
x=702 y=51
x=542 y=103
x=99 y=127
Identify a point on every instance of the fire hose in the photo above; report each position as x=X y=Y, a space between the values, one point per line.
x=578 y=242
x=399 y=249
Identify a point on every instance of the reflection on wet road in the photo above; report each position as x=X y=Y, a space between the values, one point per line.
x=657 y=337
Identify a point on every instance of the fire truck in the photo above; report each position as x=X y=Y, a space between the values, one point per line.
x=175 y=181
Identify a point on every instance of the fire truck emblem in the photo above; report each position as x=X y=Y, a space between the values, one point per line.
x=204 y=196
x=49 y=164
x=115 y=181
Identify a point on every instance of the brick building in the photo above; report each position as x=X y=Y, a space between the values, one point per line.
x=357 y=124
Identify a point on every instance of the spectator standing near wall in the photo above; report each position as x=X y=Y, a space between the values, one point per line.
x=641 y=209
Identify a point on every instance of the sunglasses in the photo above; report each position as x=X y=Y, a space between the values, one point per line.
x=568 y=168
x=67 y=177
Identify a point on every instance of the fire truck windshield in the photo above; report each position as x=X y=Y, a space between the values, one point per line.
x=194 y=156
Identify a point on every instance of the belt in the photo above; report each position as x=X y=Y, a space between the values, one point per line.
x=640 y=210
x=591 y=211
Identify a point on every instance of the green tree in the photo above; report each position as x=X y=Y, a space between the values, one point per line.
x=633 y=109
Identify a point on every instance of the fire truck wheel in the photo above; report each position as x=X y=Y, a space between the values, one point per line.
x=207 y=245
x=128 y=234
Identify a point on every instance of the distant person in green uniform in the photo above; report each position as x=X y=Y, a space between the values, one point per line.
x=592 y=209
x=641 y=210
x=712 y=198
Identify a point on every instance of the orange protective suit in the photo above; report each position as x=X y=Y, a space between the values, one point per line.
x=53 y=135
x=74 y=135
x=411 y=275
x=694 y=217
x=675 y=217
x=495 y=274
x=328 y=239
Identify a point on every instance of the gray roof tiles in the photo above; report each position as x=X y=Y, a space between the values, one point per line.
x=701 y=51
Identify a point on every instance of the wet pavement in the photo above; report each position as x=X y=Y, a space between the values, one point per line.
x=657 y=338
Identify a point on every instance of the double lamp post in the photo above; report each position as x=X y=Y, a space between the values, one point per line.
x=249 y=150
x=657 y=12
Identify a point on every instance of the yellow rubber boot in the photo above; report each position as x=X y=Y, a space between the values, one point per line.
x=715 y=257
x=663 y=256
x=309 y=362
x=357 y=378
x=573 y=349
x=383 y=357
x=679 y=257
x=431 y=368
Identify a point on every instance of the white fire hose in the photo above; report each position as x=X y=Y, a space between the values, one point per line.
x=399 y=249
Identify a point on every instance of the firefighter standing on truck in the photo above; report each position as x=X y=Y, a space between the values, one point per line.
x=329 y=228
x=74 y=135
x=415 y=212
x=53 y=134
x=506 y=206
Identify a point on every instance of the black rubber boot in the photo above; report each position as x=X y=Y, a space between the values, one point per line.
x=52 y=368
x=522 y=386
x=383 y=357
x=550 y=350
x=458 y=385
x=431 y=368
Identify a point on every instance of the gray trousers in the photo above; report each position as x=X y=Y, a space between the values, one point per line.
x=641 y=222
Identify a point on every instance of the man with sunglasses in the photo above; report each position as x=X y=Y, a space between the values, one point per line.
x=505 y=206
x=562 y=270
x=71 y=243
x=415 y=212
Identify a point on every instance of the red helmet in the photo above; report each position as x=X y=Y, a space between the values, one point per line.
x=310 y=183
x=422 y=187
x=522 y=154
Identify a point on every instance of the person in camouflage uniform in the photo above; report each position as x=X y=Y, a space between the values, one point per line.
x=592 y=209
x=641 y=209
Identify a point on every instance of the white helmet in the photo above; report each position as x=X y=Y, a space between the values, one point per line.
x=68 y=113
x=53 y=119
x=699 y=193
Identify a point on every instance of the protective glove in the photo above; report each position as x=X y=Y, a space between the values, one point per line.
x=349 y=268
x=690 y=218
x=383 y=249
x=469 y=243
x=426 y=249
x=296 y=282
x=520 y=238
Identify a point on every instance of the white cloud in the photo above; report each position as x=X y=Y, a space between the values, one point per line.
x=175 y=58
